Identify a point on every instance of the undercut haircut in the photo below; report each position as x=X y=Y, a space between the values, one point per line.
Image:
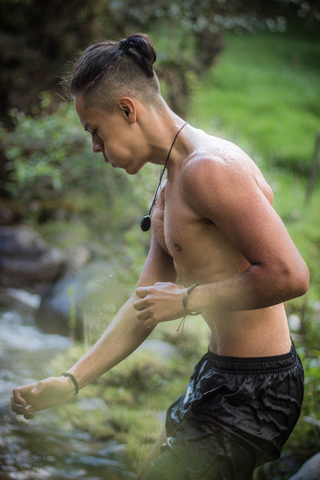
x=110 y=70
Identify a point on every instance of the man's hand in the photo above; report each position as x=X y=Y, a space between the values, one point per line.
x=48 y=393
x=160 y=303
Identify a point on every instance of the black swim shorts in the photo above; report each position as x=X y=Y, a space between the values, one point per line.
x=236 y=414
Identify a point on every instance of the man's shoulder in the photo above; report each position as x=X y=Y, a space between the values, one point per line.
x=216 y=160
x=219 y=178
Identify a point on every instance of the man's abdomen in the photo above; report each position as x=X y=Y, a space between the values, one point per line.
x=252 y=333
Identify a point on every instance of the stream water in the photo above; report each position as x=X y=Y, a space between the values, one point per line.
x=42 y=448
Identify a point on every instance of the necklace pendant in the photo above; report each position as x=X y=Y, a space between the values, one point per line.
x=145 y=223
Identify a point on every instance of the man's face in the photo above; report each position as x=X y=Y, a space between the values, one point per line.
x=109 y=134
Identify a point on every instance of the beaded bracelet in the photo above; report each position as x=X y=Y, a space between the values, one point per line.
x=185 y=300
x=74 y=381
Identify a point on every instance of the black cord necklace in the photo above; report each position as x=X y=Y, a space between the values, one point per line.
x=145 y=223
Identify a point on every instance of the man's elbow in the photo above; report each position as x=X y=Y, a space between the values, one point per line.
x=298 y=281
x=304 y=280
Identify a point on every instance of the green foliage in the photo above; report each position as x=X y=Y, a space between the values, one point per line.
x=48 y=151
x=302 y=223
x=50 y=159
x=265 y=92
x=305 y=439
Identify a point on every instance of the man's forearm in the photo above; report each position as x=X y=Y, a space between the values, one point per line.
x=255 y=288
x=120 y=339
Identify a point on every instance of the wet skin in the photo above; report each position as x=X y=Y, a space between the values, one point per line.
x=213 y=224
x=203 y=253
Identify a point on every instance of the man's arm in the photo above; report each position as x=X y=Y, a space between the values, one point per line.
x=228 y=194
x=242 y=213
x=121 y=338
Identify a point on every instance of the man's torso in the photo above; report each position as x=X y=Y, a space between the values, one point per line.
x=202 y=255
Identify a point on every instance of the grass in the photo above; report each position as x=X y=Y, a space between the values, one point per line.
x=265 y=92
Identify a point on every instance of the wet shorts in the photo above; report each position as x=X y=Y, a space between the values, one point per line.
x=236 y=414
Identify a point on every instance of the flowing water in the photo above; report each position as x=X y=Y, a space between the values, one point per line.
x=43 y=448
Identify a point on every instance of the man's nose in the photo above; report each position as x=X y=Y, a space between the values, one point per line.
x=97 y=147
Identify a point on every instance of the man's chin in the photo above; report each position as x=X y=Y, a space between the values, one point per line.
x=132 y=171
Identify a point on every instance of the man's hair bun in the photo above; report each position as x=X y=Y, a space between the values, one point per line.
x=140 y=47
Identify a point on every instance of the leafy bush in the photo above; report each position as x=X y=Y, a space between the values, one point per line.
x=50 y=157
x=47 y=152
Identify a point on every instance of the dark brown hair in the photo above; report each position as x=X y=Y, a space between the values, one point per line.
x=111 y=69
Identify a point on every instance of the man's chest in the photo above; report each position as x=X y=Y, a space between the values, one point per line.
x=171 y=221
x=189 y=239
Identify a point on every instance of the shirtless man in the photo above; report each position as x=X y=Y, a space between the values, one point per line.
x=214 y=229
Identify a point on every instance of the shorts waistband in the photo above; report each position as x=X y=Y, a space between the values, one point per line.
x=256 y=364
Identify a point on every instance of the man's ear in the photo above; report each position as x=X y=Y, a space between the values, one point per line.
x=128 y=108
